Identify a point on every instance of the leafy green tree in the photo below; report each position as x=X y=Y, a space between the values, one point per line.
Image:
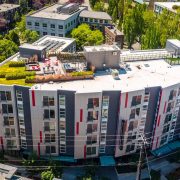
x=13 y=36
x=7 y=49
x=85 y=36
x=23 y=6
x=47 y=175
x=99 y=6
x=129 y=28
x=29 y=36
x=17 y=16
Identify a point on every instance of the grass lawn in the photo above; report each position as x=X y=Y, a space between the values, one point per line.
x=6 y=69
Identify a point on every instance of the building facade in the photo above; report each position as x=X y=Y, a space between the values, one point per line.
x=55 y=20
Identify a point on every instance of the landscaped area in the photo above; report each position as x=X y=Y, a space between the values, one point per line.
x=7 y=72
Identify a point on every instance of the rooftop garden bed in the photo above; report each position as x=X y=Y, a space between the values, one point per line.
x=14 y=73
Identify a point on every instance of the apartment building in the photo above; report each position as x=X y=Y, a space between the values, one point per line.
x=55 y=20
x=169 y=6
x=95 y=19
x=114 y=36
x=104 y=116
x=7 y=12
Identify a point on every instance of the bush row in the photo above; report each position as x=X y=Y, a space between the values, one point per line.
x=83 y=73
x=17 y=64
x=19 y=75
x=2 y=75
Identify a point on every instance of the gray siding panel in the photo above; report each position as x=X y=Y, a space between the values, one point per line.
x=70 y=108
x=114 y=97
x=27 y=115
x=152 y=107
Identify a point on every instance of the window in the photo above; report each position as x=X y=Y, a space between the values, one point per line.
x=95 y=20
x=52 y=34
x=163 y=140
x=62 y=125
x=8 y=121
x=49 y=113
x=167 y=118
x=60 y=35
x=86 y=19
x=91 y=128
x=50 y=138
x=7 y=108
x=170 y=106
x=69 y=24
x=130 y=147
x=22 y=132
x=132 y=125
x=48 y=101
x=50 y=149
x=44 y=25
x=166 y=128
x=91 y=150
x=66 y=26
x=92 y=115
x=44 y=33
x=93 y=102
x=36 y=24
x=10 y=132
x=52 y=25
x=19 y=95
x=91 y=20
x=134 y=112
x=172 y=94
x=29 y=23
x=136 y=100
x=91 y=139
x=49 y=126
x=106 y=21
x=11 y=144
x=5 y=96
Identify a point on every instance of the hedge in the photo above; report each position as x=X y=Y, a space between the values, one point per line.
x=17 y=64
x=2 y=75
x=83 y=73
x=29 y=79
x=15 y=76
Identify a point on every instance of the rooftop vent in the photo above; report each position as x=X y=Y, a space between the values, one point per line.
x=69 y=8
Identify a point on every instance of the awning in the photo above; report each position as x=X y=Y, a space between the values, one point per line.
x=107 y=161
x=60 y=158
x=168 y=148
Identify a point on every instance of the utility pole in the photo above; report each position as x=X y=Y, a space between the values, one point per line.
x=138 y=175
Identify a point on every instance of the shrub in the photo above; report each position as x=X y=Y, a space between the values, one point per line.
x=2 y=75
x=83 y=73
x=17 y=64
x=15 y=76
x=175 y=7
x=29 y=79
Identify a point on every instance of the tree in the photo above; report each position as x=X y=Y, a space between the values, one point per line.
x=7 y=49
x=17 y=16
x=47 y=175
x=29 y=36
x=129 y=28
x=23 y=6
x=13 y=36
x=99 y=6
x=85 y=36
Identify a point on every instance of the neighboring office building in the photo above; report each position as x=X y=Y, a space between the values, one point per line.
x=174 y=46
x=55 y=20
x=46 y=45
x=7 y=12
x=159 y=6
x=96 y=20
x=93 y=118
x=114 y=36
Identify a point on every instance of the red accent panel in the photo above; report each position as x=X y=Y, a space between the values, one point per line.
x=159 y=119
x=33 y=98
x=126 y=100
x=164 y=107
x=157 y=140
x=40 y=134
x=39 y=149
x=2 y=143
x=77 y=128
x=84 y=151
x=81 y=115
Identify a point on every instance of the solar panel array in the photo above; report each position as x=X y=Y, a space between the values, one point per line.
x=52 y=45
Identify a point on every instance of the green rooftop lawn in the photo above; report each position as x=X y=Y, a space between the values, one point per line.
x=7 y=70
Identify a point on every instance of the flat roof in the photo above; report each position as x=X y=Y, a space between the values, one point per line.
x=51 y=13
x=176 y=42
x=31 y=46
x=65 y=42
x=95 y=15
x=114 y=30
x=168 y=5
x=101 y=48
x=6 y=7
x=142 y=74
